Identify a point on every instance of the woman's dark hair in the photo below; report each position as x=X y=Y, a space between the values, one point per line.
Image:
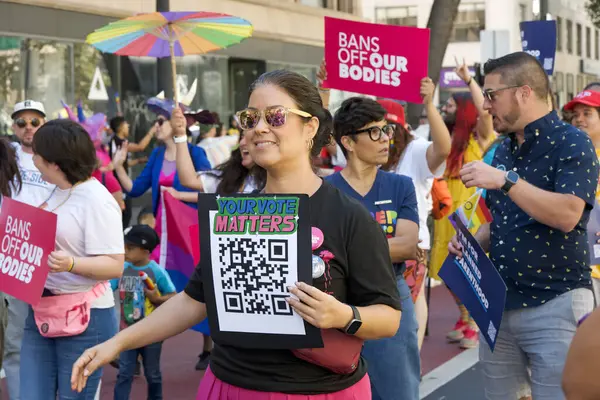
x=10 y=177
x=353 y=114
x=68 y=145
x=307 y=98
x=233 y=174
x=115 y=123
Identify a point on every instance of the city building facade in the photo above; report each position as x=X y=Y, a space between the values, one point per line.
x=43 y=54
x=578 y=42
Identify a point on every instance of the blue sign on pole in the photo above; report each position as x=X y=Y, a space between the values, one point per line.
x=476 y=282
x=538 y=38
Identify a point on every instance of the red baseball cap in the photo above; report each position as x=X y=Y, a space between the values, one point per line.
x=394 y=111
x=587 y=97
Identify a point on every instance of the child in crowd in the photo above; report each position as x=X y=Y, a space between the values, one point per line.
x=143 y=287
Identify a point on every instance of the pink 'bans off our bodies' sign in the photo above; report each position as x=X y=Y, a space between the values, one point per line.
x=380 y=60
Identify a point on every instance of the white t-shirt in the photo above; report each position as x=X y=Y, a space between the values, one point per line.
x=89 y=224
x=210 y=181
x=414 y=165
x=34 y=191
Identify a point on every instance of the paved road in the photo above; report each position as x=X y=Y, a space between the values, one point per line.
x=180 y=353
x=467 y=385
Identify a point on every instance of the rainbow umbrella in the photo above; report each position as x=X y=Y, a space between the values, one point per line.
x=164 y=34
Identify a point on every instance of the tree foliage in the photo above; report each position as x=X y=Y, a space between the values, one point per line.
x=593 y=9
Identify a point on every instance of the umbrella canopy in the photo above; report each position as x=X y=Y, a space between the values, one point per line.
x=162 y=34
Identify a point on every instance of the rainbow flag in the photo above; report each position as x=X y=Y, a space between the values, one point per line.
x=179 y=251
x=474 y=212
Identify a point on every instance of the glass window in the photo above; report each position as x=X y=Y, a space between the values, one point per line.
x=570 y=87
x=579 y=40
x=401 y=16
x=596 y=44
x=588 y=42
x=569 y=36
x=559 y=29
x=469 y=21
x=523 y=10
x=313 y=3
x=580 y=83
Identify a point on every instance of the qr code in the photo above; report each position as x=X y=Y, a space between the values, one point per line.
x=253 y=275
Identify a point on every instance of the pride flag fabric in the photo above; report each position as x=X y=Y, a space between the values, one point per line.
x=179 y=251
x=474 y=212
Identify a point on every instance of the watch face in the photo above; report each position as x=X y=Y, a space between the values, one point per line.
x=512 y=177
x=353 y=327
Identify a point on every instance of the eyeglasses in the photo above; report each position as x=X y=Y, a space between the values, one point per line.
x=275 y=116
x=159 y=121
x=375 y=132
x=489 y=94
x=22 y=122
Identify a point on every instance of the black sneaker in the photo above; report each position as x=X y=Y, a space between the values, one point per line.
x=204 y=360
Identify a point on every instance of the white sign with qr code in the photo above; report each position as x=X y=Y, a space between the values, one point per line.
x=251 y=274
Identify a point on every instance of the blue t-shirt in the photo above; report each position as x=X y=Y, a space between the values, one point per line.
x=392 y=197
x=134 y=305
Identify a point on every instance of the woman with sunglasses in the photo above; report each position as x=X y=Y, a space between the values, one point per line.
x=285 y=124
x=160 y=173
x=89 y=252
x=239 y=174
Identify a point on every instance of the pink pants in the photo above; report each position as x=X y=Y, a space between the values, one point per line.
x=211 y=388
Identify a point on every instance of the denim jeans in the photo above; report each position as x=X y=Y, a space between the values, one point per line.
x=46 y=363
x=393 y=364
x=17 y=312
x=535 y=338
x=151 y=362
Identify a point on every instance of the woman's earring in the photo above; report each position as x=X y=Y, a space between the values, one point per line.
x=310 y=143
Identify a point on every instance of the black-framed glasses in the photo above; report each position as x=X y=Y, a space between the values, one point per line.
x=490 y=94
x=275 y=116
x=22 y=122
x=375 y=132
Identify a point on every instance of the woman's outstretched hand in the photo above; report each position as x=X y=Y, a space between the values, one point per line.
x=92 y=359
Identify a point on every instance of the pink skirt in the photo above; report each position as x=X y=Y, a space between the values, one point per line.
x=212 y=388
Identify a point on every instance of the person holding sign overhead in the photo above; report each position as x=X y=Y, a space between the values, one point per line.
x=76 y=310
x=285 y=124
x=541 y=187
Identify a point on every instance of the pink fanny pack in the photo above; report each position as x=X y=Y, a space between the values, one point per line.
x=66 y=314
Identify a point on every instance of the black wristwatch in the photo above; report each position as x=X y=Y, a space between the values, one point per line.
x=510 y=179
x=355 y=323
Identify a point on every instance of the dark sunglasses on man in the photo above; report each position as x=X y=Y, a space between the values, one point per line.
x=22 y=122
x=159 y=121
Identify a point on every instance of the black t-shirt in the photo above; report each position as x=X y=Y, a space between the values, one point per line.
x=360 y=273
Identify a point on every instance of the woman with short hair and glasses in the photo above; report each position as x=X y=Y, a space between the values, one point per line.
x=286 y=124
x=89 y=251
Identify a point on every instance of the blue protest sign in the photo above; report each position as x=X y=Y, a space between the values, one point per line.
x=476 y=282
x=538 y=38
